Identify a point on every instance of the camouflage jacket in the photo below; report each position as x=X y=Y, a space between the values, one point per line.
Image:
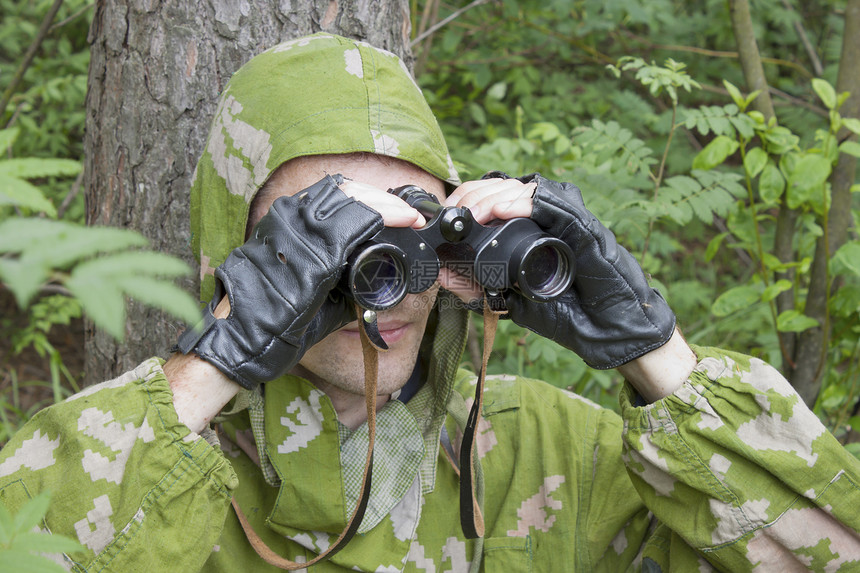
x=731 y=470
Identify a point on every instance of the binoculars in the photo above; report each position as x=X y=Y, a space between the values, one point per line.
x=513 y=254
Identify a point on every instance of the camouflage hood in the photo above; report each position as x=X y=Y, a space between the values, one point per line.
x=321 y=94
x=325 y=94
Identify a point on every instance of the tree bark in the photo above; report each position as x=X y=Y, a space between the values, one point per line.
x=155 y=74
x=811 y=346
x=786 y=219
x=749 y=56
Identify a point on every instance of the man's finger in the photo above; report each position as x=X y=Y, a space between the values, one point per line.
x=395 y=211
x=502 y=199
x=464 y=189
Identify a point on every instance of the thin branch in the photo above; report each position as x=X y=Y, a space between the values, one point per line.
x=73 y=192
x=790 y=99
x=13 y=119
x=807 y=45
x=55 y=289
x=750 y=58
x=441 y=23
x=31 y=53
x=798 y=102
x=715 y=53
x=597 y=55
x=431 y=12
x=74 y=16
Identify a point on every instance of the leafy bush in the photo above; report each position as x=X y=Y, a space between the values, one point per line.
x=94 y=268
x=673 y=159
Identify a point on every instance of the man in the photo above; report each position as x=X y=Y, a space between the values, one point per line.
x=724 y=463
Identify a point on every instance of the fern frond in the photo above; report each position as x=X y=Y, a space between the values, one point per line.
x=706 y=194
x=617 y=145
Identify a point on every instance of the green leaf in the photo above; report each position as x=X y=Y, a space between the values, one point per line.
x=750 y=98
x=31 y=513
x=715 y=153
x=162 y=294
x=137 y=262
x=38 y=239
x=478 y=114
x=714 y=246
x=846 y=301
x=101 y=299
x=771 y=184
x=735 y=93
x=7 y=138
x=497 y=90
x=33 y=168
x=26 y=562
x=14 y=191
x=757 y=117
x=850 y=147
x=851 y=124
x=754 y=161
x=534 y=351
x=23 y=279
x=772 y=291
x=779 y=140
x=6 y=531
x=794 y=321
x=545 y=131
x=45 y=543
x=735 y=299
x=835 y=121
x=825 y=91
x=833 y=396
x=846 y=260
x=809 y=174
x=854 y=422
x=101 y=284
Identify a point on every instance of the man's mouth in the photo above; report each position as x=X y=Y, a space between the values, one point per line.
x=390 y=330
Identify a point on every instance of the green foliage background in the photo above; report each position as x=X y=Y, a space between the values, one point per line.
x=612 y=96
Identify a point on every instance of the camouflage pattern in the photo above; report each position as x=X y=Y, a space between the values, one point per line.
x=321 y=94
x=731 y=472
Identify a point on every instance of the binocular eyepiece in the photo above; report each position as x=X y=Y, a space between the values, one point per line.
x=513 y=254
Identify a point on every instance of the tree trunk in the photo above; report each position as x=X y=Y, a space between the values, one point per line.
x=155 y=74
x=812 y=343
x=755 y=79
x=806 y=352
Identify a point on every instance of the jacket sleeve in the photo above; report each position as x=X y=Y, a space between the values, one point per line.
x=735 y=466
x=128 y=480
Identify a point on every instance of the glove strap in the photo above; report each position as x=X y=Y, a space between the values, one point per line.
x=371 y=372
x=471 y=516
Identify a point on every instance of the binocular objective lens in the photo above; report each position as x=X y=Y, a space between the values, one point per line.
x=540 y=267
x=545 y=271
x=378 y=281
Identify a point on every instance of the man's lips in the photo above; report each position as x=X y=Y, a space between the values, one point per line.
x=391 y=331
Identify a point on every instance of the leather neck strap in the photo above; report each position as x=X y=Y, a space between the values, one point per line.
x=471 y=516
x=371 y=371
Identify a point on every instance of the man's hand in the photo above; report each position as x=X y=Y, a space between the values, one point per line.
x=610 y=316
x=279 y=283
x=200 y=389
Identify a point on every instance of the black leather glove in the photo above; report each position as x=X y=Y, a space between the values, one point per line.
x=610 y=315
x=280 y=284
